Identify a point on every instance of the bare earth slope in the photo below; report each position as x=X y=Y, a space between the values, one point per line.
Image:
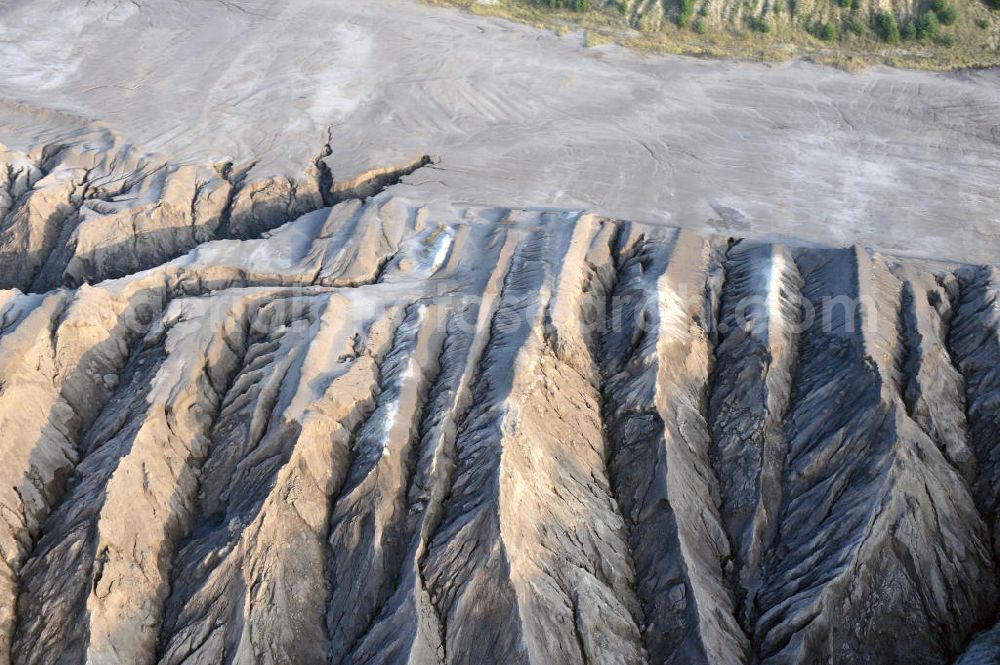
x=384 y=434
x=375 y=334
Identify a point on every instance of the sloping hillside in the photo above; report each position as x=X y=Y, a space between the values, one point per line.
x=938 y=34
x=381 y=432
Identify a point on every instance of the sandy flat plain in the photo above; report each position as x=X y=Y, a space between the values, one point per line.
x=902 y=160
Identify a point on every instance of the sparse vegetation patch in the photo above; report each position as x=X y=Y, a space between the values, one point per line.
x=851 y=34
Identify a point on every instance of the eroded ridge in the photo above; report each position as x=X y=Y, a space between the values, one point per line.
x=388 y=433
x=92 y=207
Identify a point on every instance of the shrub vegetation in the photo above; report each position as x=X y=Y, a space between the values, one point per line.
x=946 y=12
x=686 y=13
x=575 y=5
x=888 y=27
x=854 y=25
x=928 y=26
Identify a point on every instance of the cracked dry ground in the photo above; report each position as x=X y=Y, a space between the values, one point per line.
x=316 y=422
